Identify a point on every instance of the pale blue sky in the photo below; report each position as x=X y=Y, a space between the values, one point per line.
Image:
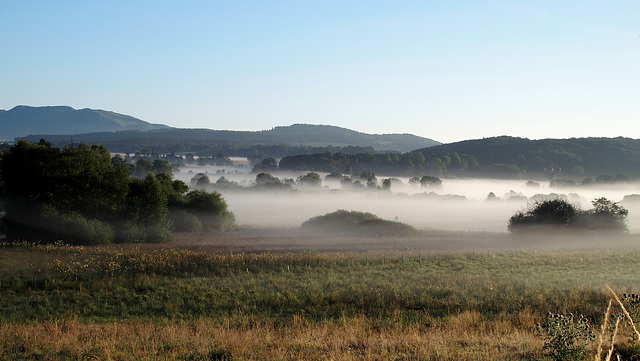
x=448 y=70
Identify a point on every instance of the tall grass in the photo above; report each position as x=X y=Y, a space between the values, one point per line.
x=83 y=302
x=173 y=284
x=467 y=336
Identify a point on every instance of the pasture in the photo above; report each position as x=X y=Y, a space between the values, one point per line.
x=266 y=294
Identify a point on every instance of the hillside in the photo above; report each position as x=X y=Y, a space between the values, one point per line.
x=323 y=135
x=298 y=135
x=570 y=158
x=62 y=120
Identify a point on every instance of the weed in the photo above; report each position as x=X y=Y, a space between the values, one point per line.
x=566 y=337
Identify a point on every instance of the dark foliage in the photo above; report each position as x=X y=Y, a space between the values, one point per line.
x=78 y=195
x=430 y=181
x=311 y=179
x=268 y=181
x=387 y=163
x=554 y=214
x=210 y=209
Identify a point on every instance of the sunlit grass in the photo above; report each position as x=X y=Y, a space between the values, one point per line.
x=449 y=306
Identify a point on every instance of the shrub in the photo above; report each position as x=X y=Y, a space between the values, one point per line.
x=355 y=223
x=566 y=337
x=430 y=181
x=210 y=208
x=552 y=212
x=311 y=179
x=559 y=213
x=46 y=224
x=183 y=221
x=608 y=215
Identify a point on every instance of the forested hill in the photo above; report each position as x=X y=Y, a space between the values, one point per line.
x=572 y=158
x=24 y=120
x=225 y=141
x=322 y=135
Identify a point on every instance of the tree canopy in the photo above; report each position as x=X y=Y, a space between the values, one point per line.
x=79 y=195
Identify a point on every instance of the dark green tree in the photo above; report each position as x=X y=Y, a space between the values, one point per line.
x=430 y=181
x=146 y=212
x=386 y=184
x=78 y=195
x=548 y=213
x=143 y=167
x=44 y=187
x=161 y=166
x=311 y=179
x=605 y=216
x=211 y=210
x=555 y=214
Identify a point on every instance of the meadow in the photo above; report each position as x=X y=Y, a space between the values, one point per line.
x=261 y=295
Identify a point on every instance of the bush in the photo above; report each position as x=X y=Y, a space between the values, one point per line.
x=211 y=210
x=311 y=179
x=605 y=216
x=560 y=214
x=353 y=223
x=430 y=181
x=46 y=224
x=183 y=221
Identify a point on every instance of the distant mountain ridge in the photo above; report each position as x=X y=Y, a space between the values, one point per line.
x=122 y=133
x=323 y=135
x=297 y=135
x=24 y=120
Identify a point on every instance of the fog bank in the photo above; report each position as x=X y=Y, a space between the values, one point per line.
x=469 y=211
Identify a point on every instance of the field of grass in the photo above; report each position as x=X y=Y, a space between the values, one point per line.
x=256 y=296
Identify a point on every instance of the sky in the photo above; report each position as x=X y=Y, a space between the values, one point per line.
x=445 y=70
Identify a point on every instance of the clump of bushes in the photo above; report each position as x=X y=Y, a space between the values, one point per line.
x=354 y=223
x=553 y=214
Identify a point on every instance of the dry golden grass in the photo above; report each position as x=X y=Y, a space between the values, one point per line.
x=490 y=301
x=467 y=336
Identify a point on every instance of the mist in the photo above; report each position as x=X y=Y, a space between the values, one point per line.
x=458 y=205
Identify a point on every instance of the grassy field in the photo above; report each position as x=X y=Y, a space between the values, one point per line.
x=261 y=295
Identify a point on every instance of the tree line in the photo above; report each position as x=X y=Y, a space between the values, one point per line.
x=565 y=162
x=410 y=163
x=575 y=158
x=79 y=194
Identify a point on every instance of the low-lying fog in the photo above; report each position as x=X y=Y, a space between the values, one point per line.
x=407 y=203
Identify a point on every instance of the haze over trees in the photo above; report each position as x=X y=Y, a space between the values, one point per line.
x=79 y=195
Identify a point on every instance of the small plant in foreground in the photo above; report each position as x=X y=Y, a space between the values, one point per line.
x=566 y=337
